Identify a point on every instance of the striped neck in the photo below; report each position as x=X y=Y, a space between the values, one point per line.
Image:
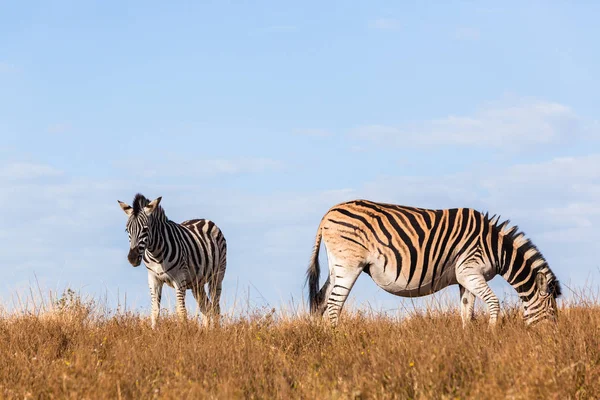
x=156 y=226
x=521 y=260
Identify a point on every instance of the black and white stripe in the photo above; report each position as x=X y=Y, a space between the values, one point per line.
x=185 y=256
x=411 y=252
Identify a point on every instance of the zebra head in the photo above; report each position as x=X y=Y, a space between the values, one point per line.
x=542 y=303
x=138 y=226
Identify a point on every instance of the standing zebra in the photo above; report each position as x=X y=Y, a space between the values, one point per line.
x=412 y=252
x=184 y=256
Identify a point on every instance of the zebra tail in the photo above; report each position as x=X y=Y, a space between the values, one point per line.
x=312 y=275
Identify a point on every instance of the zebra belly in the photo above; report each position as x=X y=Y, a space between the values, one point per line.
x=400 y=285
x=173 y=277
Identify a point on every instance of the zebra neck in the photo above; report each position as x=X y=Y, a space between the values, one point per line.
x=521 y=260
x=158 y=238
x=518 y=270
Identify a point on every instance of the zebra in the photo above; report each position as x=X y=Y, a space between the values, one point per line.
x=184 y=256
x=412 y=252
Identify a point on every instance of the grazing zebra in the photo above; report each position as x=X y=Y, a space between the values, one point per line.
x=184 y=256
x=413 y=252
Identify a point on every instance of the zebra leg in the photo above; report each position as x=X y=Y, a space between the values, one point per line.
x=203 y=303
x=475 y=283
x=467 y=305
x=322 y=296
x=180 y=296
x=155 y=296
x=342 y=279
x=215 y=285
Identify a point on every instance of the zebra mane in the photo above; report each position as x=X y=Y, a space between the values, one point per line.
x=139 y=202
x=523 y=245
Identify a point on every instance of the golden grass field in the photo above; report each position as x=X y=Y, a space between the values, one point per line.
x=78 y=350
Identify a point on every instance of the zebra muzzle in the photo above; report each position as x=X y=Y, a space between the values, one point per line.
x=134 y=257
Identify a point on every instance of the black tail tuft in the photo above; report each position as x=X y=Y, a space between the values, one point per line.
x=312 y=276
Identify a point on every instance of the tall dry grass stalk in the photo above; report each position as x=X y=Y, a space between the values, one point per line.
x=76 y=348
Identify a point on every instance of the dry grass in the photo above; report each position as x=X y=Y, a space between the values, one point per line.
x=81 y=351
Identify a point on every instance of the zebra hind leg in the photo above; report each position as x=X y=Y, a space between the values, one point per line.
x=467 y=306
x=474 y=282
x=180 y=298
x=342 y=279
x=203 y=303
x=215 y=287
x=322 y=296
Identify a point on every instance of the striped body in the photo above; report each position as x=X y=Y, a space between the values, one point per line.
x=183 y=256
x=186 y=254
x=411 y=252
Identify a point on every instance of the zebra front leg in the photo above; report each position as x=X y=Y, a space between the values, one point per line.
x=467 y=305
x=155 y=296
x=341 y=281
x=180 y=296
x=475 y=283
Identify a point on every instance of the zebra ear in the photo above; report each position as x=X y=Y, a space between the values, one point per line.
x=126 y=208
x=542 y=282
x=153 y=205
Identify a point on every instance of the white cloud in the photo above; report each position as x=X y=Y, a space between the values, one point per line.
x=385 y=24
x=515 y=126
x=576 y=214
x=570 y=171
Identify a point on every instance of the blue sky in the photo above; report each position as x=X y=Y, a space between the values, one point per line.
x=263 y=115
